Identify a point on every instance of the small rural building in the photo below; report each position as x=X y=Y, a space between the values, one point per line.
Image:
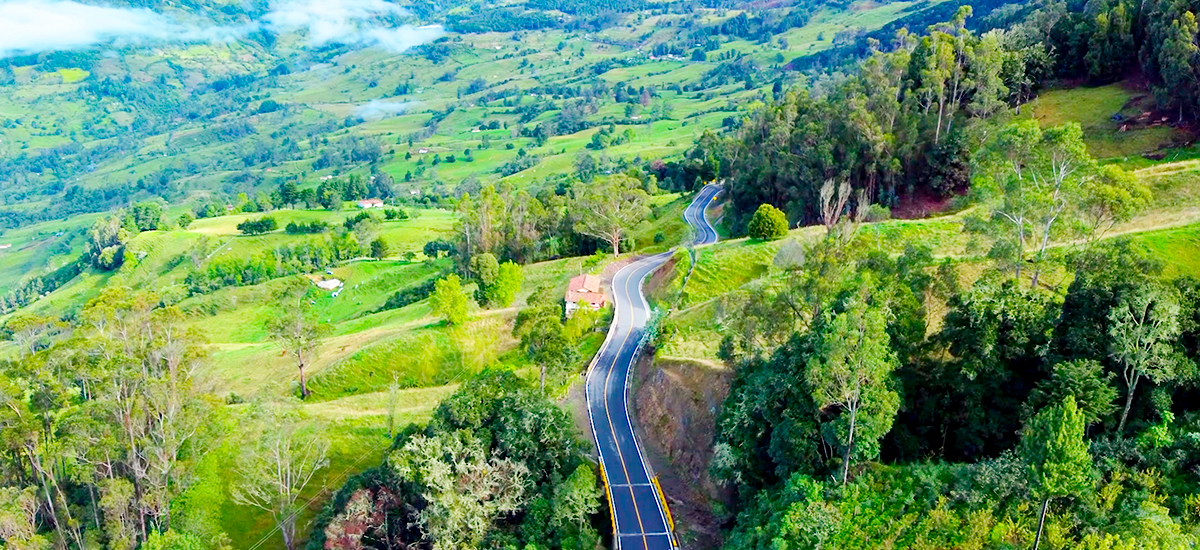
x=329 y=284
x=370 y=203
x=585 y=288
x=5 y=246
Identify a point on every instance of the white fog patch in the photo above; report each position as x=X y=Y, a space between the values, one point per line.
x=377 y=109
x=356 y=22
x=33 y=26
x=401 y=38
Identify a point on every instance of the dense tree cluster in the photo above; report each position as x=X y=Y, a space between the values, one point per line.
x=29 y=291
x=1107 y=41
x=258 y=226
x=497 y=466
x=497 y=283
x=904 y=123
x=103 y=429
x=524 y=228
x=1069 y=413
x=901 y=126
x=313 y=254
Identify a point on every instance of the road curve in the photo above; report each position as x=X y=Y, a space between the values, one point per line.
x=640 y=517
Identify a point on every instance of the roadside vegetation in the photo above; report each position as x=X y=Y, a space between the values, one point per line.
x=969 y=379
x=964 y=315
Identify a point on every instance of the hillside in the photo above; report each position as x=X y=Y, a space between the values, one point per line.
x=241 y=238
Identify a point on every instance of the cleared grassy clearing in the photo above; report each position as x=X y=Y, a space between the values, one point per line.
x=1094 y=109
x=1178 y=249
x=667 y=229
x=433 y=356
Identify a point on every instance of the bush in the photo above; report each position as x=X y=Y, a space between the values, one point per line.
x=518 y=164
x=258 y=227
x=380 y=248
x=877 y=213
x=360 y=217
x=449 y=301
x=410 y=295
x=395 y=214
x=186 y=219
x=318 y=226
x=768 y=223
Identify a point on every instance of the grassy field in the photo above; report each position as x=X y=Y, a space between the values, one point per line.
x=369 y=349
x=1095 y=108
x=1177 y=248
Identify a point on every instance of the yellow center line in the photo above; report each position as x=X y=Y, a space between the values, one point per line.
x=608 y=413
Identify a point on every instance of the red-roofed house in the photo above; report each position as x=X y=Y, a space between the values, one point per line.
x=585 y=288
x=370 y=203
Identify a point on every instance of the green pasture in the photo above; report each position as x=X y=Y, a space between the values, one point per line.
x=1178 y=249
x=41 y=248
x=1094 y=108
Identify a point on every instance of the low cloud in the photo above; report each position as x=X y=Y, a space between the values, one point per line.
x=355 y=22
x=401 y=38
x=376 y=109
x=34 y=26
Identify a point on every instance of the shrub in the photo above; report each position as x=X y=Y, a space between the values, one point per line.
x=309 y=227
x=351 y=221
x=768 y=223
x=410 y=295
x=449 y=301
x=380 y=248
x=877 y=213
x=518 y=164
x=186 y=219
x=259 y=226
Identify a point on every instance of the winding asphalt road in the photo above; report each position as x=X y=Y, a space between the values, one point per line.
x=640 y=515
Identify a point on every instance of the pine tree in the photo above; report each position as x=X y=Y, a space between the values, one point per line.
x=1059 y=463
x=1177 y=58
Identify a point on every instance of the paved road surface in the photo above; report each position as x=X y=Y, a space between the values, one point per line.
x=641 y=519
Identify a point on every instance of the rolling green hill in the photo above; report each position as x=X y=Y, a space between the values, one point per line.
x=510 y=97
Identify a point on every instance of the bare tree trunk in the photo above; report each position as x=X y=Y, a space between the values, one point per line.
x=303 y=381
x=849 y=446
x=1020 y=248
x=1128 y=404
x=937 y=134
x=1037 y=540
x=288 y=529
x=53 y=509
x=543 y=377
x=47 y=480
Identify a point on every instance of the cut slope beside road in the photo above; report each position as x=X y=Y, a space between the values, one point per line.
x=641 y=519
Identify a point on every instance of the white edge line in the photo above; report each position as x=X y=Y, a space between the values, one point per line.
x=591 y=369
x=628 y=372
x=587 y=394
